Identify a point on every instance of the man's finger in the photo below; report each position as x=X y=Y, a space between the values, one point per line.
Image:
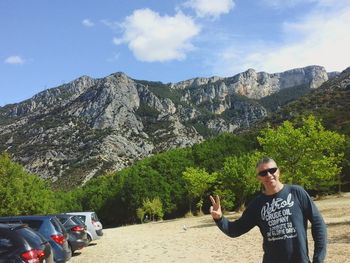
x=217 y=201
x=212 y=200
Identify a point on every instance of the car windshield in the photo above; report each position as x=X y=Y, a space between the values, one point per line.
x=62 y=220
x=6 y=244
x=57 y=225
x=82 y=218
x=30 y=236
x=94 y=217
x=35 y=224
x=77 y=220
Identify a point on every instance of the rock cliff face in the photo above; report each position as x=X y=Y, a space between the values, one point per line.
x=79 y=130
x=256 y=85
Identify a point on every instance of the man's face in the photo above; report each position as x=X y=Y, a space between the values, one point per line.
x=271 y=179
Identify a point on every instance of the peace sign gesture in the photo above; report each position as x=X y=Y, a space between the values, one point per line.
x=215 y=209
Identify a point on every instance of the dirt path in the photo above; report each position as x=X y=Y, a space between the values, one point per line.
x=168 y=241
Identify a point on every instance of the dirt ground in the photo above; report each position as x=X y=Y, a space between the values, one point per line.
x=197 y=239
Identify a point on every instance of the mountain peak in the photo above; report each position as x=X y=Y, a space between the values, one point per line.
x=119 y=74
x=88 y=126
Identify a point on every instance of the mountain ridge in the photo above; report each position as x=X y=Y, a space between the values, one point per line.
x=87 y=127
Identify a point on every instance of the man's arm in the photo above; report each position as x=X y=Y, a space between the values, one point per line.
x=235 y=228
x=238 y=227
x=318 y=229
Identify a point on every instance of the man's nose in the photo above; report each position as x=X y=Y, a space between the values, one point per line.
x=270 y=174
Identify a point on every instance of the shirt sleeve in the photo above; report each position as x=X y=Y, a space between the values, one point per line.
x=318 y=228
x=238 y=227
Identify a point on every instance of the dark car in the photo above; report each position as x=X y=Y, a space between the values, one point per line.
x=76 y=230
x=52 y=230
x=21 y=244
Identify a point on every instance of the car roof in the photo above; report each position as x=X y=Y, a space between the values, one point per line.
x=81 y=213
x=12 y=226
x=62 y=215
x=28 y=217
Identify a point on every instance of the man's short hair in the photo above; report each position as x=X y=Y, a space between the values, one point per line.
x=263 y=160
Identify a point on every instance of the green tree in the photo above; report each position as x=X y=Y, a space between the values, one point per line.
x=95 y=193
x=308 y=155
x=157 y=176
x=142 y=182
x=140 y=213
x=345 y=176
x=170 y=166
x=22 y=193
x=211 y=154
x=238 y=180
x=198 y=182
x=153 y=208
x=68 y=201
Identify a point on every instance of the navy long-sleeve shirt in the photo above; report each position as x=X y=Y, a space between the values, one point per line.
x=282 y=219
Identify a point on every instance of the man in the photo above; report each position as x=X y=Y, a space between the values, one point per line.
x=281 y=212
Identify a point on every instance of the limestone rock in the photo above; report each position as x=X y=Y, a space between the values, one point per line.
x=88 y=126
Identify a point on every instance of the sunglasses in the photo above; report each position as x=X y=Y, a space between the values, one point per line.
x=270 y=171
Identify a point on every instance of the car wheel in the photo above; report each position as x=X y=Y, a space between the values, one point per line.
x=89 y=238
x=70 y=248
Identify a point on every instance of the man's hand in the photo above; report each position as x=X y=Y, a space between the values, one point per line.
x=215 y=209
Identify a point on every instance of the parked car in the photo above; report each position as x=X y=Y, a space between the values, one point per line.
x=76 y=230
x=52 y=230
x=21 y=244
x=93 y=224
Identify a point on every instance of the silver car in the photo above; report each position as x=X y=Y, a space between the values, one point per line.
x=93 y=224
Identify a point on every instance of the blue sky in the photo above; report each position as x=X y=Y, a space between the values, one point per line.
x=44 y=44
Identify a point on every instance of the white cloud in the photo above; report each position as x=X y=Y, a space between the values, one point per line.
x=321 y=38
x=285 y=3
x=14 y=60
x=152 y=37
x=87 y=23
x=281 y=4
x=111 y=24
x=210 y=8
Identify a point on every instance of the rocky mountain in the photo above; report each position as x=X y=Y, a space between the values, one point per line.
x=87 y=127
x=330 y=102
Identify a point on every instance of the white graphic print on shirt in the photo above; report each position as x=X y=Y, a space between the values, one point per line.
x=277 y=216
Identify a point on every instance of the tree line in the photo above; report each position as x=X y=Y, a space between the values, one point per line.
x=175 y=183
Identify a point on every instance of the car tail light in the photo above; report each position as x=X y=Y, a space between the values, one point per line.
x=40 y=253
x=58 y=239
x=33 y=256
x=77 y=228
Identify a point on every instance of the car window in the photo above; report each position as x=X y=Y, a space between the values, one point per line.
x=56 y=225
x=10 y=221
x=35 y=224
x=77 y=220
x=62 y=220
x=82 y=217
x=6 y=244
x=94 y=217
x=30 y=236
